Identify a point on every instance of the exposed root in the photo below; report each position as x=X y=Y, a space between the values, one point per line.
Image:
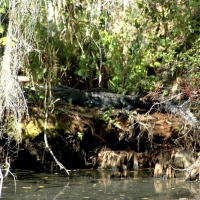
x=93 y=131
x=194 y=169
x=6 y=168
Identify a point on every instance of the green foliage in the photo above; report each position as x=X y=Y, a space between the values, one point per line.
x=1 y=29
x=3 y=41
x=70 y=101
x=35 y=97
x=3 y=23
x=106 y=116
x=80 y=135
x=172 y=37
x=89 y=47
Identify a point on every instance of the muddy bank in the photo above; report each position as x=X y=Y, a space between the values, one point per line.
x=89 y=138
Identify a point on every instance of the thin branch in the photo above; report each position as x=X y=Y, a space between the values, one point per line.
x=47 y=145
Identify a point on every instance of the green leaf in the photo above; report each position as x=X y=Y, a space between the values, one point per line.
x=3 y=41
x=165 y=92
x=157 y=64
x=3 y=10
x=1 y=29
x=80 y=135
x=41 y=96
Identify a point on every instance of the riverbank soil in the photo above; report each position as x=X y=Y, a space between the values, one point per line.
x=90 y=138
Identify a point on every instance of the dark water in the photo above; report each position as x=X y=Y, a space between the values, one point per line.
x=93 y=184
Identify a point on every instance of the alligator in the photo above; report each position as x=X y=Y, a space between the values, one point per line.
x=106 y=100
x=103 y=100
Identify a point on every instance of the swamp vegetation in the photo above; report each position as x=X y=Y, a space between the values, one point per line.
x=124 y=47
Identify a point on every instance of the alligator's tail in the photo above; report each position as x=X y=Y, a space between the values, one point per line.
x=185 y=114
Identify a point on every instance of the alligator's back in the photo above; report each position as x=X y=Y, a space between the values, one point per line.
x=108 y=100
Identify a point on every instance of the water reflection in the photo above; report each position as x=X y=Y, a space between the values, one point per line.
x=94 y=185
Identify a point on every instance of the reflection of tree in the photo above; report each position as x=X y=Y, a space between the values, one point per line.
x=94 y=184
x=62 y=191
x=171 y=187
x=194 y=188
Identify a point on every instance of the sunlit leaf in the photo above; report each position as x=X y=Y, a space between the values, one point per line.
x=1 y=29
x=3 y=10
x=41 y=186
x=3 y=41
